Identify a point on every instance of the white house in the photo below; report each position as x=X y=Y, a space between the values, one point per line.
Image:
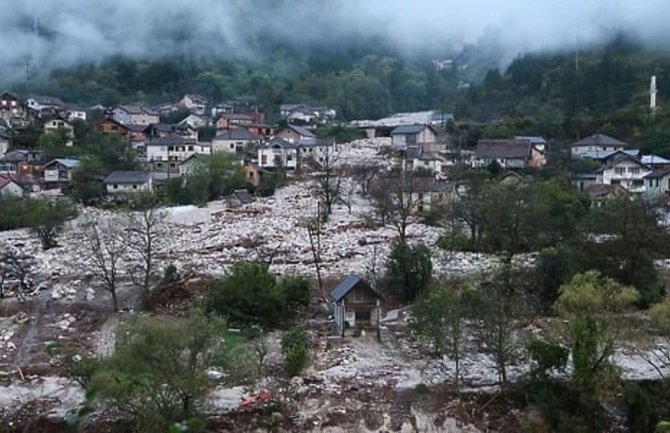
x=169 y=152
x=510 y=154
x=626 y=171
x=9 y=188
x=232 y=140
x=657 y=183
x=135 y=115
x=119 y=182
x=412 y=136
x=296 y=135
x=41 y=103
x=196 y=104
x=278 y=153
x=319 y=152
x=429 y=161
x=74 y=112
x=59 y=124
x=595 y=143
x=307 y=114
x=194 y=121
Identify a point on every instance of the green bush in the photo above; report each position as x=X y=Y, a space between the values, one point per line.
x=249 y=294
x=295 y=348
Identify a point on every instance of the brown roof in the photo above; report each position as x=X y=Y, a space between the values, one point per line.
x=601 y=190
x=507 y=149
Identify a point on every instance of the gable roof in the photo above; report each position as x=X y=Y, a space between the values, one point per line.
x=654 y=159
x=137 y=109
x=170 y=140
x=237 y=134
x=121 y=177
x=278 y=142
x=347 y=285
x=606 y=154
x=5 y=180
x=304 y=132
x=47 y=100
x=600 y=190
x=409 y=129
x=508 y=149
x=598 y=140
x=66 y=162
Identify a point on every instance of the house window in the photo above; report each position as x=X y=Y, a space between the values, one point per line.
x=114 y=128
x=620 y=170
x=638 y=182
x=289 y=157
x=264 y=159
x=190 y=148
x=232 y=145
x=634 y=170
x=115 y=186
x=134 y=186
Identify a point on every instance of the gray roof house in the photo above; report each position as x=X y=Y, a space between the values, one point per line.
x=509 y=154
x=596 y=142
x=128 y=181
x=408 y=136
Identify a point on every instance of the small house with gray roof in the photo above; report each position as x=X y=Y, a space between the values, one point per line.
x=278 y=153
x=234 y=140
x=120 y=182
x=356 y=306
x=412 y=136
x=595 y=143
x=510 y=154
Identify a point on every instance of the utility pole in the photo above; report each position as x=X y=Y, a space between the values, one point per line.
x=653 y=90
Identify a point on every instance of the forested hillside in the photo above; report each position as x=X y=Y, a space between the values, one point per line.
x=560 y=95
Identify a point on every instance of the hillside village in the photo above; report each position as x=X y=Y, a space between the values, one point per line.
x=397 y=257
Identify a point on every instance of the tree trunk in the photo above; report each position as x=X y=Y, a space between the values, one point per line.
x=115 y=301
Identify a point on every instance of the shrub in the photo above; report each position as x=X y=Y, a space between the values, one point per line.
x=295 y=348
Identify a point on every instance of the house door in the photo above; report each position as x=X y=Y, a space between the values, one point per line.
x=363 y=317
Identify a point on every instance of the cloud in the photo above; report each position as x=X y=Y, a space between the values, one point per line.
x=60 y=33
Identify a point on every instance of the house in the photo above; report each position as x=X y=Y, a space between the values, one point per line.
x=221 y=108
x=600 y=193
x=594 y=143
x=320 y=153
x=229 y=120
x=58 y=173
x=22 y=163
x=657 y=183
x=194 y=121
x=119 y=182
x=187 y=166
x=356 y=306
x=510 y=154
x=165 y=108
x=429 y=161
x=582 y=181
x=5 y=141
x=9 y=188
x=157 y=130
x=261 y=129
x=278 y=153
x=539 y=142
x=45 y=105
x=109 y=125
x=167 y=153
x=196 y=104
x=74 y=112
x=135 y=115
x=306 y=114
x=296 y=135
x=233 y=140
x=605 y=156
x=11 y=107
x=655 y=161
x=60 y=125
x=626 y=171
x=412 y=136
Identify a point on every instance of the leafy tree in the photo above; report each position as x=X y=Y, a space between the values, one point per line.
x=158 y=373
x=439 y=317
x=249 y=294
x=409 y=269
x=295 y=348
x=47 y=219
x=497 y=306
x=589 y=300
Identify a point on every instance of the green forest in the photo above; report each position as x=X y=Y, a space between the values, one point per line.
x=561 y=95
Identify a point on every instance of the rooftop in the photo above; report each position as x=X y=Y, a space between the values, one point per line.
x=510 y=149
x=598 y=140
x=121 y=177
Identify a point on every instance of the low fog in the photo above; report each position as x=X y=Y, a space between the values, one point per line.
x=61 y=33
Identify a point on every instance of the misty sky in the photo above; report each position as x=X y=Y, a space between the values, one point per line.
x=56 y=33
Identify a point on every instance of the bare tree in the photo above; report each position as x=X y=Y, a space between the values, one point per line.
x=105 y=245
x=313 y=226
x=145 y=227
x=329 y=178
x=398 y=198
x=365 y=174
